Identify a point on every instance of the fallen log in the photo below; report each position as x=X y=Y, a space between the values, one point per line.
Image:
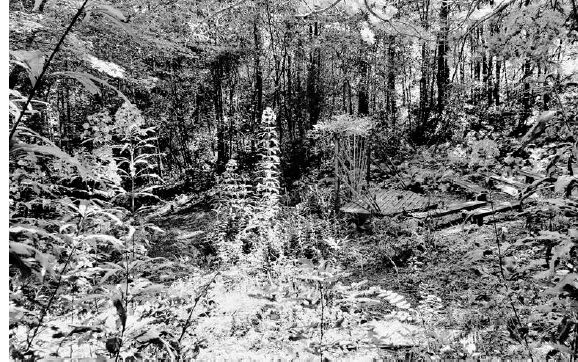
x=477 y=216
x=452 y=209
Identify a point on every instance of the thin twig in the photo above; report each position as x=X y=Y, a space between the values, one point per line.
x=45 y=68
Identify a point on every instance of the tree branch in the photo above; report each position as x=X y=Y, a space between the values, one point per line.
x=314 y=12
x=417 y=35
x=45 y=68
x=497 y=11
x=232 y=6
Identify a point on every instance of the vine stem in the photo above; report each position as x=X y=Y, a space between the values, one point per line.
x=45 y=68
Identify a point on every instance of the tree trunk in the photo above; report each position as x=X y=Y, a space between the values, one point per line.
x=362 y=94
x=218 y=104
x=423 y=85
x=489 y=81
x=497 y=82
x=258 y=107
x=391 y=106
x=314 y=96
x=289 y=100
x=442 y=63
x=527 y=95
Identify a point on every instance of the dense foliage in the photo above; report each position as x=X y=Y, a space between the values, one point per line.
x=177 y=172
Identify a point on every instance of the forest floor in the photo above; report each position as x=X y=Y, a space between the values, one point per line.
x=461 y=301
x=398 y=286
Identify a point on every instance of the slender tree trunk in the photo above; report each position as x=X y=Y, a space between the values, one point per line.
x=337 y=184
x=423 y=85
x=289 y=100
x=442 y=63
x=362 y=94
x=314 y=96
x=477 y=66
x=490 y=81
x=424 y=100
x=484 y=64
x=350 y=98
x=40 y=5
x=67 y=144
x=61 y=118
x=497 y=82
x=219 y=117
x=391 y=106
x=258 y=106
x=344 y=96
x=527 y=95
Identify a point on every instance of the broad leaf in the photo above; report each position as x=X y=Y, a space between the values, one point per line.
x=21 y=248
x=49 y=150
x=108 y=10
x=106 y=238
x=32 y=61
x=89 y=82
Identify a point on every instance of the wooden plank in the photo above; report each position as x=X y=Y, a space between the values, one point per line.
x=396 y=201
x=408 y=202
x=390 y=202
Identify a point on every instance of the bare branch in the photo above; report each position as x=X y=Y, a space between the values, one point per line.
x=497 y=11
x=45 y=68
x=389 y=22
x=314 y=12
x=226 y=8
